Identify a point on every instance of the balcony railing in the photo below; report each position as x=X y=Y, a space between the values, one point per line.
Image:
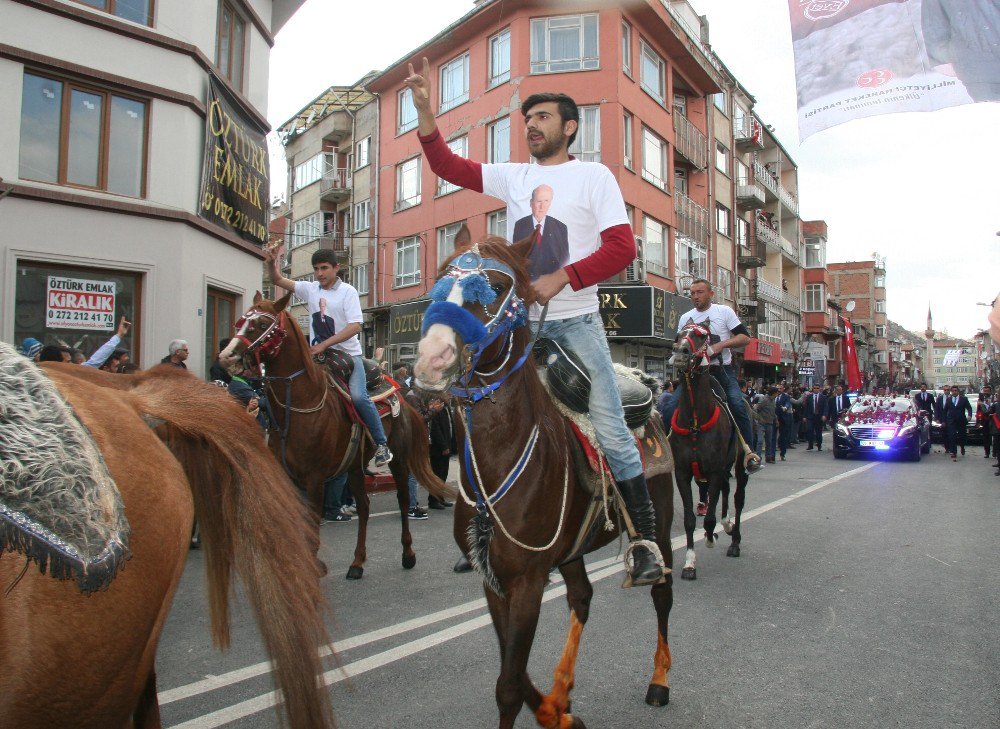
x=790 y=251
x=692 y=218
x=771 y=292
x=791 y=301
x=788 y=200
x=333 y=240
x=750 y=196
x=690 y=142
x=763 y=176
x=752 y=256
x=749 y=134
x=336 y=184
x=767 y=235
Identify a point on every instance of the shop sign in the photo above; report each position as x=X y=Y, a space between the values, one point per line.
x=405 y=321
x=640 y=311
x=76 y=303
x=759 y=350
x=235 y=176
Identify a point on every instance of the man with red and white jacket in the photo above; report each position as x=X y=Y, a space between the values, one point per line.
x=584 y=198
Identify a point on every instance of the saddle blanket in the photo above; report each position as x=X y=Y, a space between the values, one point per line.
x=59 y=506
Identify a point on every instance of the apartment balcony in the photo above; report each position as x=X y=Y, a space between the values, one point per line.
x=753 y=256
x=788 y=200
x=749 y=307
x=335 y=241
x=766 y=180
x=690 y=142
x=692 y=218
x=767 y=235
x=771 y=292
x=791 y=301
x=790 y=251
x=749 y=135
x=335 y=186
x=749 y=196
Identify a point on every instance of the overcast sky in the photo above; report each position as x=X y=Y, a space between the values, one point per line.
x=920 y=189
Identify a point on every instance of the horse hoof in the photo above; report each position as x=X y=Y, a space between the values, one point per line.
x=710 y=541
x=658 y=695
x=689 y=573
x=577 y=723
x=409 y=562
x=355 y=573
x=322 y=568
x=728 y=526
x=733 y=551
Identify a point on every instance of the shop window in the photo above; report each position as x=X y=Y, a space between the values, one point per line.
x=220 y=319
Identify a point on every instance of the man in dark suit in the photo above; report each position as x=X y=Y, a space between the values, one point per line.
x=956 y=411
x=939 y=405
x=786 y=423
x=442 y=445
x=836 y=406
x=551 y=249
x=983 y=417
x=924 y=401
x=814 y=413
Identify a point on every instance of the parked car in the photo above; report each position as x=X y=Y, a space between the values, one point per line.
x=882 y=426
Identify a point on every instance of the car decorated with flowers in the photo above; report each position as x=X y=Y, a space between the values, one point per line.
x=882 y=426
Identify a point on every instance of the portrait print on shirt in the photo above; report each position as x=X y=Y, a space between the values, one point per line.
x=551 y=249
x=323 y=326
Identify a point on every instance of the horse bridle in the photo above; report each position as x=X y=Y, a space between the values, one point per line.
x=268 y=343
x=697 y=352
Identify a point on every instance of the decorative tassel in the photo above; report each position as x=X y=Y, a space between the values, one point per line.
x=476 y=287
x=442 y=288
x=479 y=536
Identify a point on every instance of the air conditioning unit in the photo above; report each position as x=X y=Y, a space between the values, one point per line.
x=636 y=270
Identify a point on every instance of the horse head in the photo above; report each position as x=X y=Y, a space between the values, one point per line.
x=690 y=345
x=260 y=332
x=479 y=301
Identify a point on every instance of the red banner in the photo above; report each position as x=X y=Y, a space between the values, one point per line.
x=851 y=357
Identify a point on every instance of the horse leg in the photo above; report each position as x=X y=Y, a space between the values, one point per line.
x=726 y=518
x=554 y=709
x=401 y=475
x=658 y=693
x=314 y=499
x=714 y=489
x=523 y=603
x=683 y=479
x=147 y=709
x=739 y=499
x=356 y=479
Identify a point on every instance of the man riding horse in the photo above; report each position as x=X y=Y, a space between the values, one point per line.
x=726 y=331
x=585 y=204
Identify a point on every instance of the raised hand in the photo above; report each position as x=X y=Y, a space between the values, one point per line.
x=273 y=253
x=420 y=85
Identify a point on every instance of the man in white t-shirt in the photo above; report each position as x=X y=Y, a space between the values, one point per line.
x=583 y=197
x=334 y=321
x=726 y=330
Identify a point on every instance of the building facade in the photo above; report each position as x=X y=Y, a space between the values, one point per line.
x=102 y=156
x=863 y=282
x=821 y=324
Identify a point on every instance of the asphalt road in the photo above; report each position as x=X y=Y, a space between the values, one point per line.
x=865 y=596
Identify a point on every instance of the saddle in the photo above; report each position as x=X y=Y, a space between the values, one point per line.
x=341 y=365
x=569 y=381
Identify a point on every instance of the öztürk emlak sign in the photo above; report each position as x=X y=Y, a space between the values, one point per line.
x=234 y=179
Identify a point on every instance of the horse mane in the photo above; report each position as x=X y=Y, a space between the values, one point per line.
x=297 y=338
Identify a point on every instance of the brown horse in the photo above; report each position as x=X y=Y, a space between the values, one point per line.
x=704 y=443
x=518 y=540
x=70 y=660
x=314 y=427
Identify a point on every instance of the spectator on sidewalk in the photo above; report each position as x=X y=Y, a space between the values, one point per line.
x=767 y=415
x=442 y=446
x=218 y=373
x=178 y=352
x=814 y=412
x=786 y=420
x=334 y=489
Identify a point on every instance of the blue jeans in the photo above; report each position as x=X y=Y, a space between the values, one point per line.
x=734 y=396
x=333 y=493
x=766 y=442
x=363 y=404
x=411 y=482
x=584 y=334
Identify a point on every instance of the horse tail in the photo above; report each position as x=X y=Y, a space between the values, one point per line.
x=252 y=519
x=418 y=457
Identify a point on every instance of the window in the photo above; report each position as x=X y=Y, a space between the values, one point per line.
x=814 y=298
x=740 y=126
x=362 y=211
x=446 y=240
x=500 y=58
x=408 y=183
x=407 y=261
x=626 y=48
x=720 y=102
x=460 y=147
x=496 y=223
x=138 y=11
x=499 y=141
x=724 y=282
x=691 y=258
x=220 y=316
x=297 y=301
x=361 y=150
x=742 y=172
x=880 y=281
x=76 y=135
x=455 y=82
x=880 y=306
x=359 y=278
x=681 y=104
x=406 y=116
x=564 y=43
x=587 y=145
x=305 y=230
x=742 y=232
x=831 y=349
x=721 y=157
x=627 y=128
x=652 y=73
x=654 y=235
x=229 y=46
x=654 y=159
x=308 y=172
x=815 y=257
x=723 y=216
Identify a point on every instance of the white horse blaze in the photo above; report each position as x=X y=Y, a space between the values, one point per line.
x=689 y=559
x=438 y=348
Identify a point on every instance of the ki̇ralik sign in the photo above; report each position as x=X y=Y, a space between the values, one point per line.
x=235 y=180
x=76 y=303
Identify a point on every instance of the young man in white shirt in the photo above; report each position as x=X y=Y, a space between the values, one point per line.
x=726 y=331
x=586 y=202
x=334 y=321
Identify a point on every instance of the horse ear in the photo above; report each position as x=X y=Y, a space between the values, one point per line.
x=463 y=238
x=281 y=303
x=257 y=298
x=522 y=249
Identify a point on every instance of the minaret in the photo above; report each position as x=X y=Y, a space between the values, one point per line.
x=929 y=332
x=929 y=368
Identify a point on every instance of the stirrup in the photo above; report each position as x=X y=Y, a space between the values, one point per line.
x=629 y=561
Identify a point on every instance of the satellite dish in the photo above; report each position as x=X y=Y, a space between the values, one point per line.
x=850 y=306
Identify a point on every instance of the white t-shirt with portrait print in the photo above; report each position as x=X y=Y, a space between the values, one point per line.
x=721 y=322
x=343 y=306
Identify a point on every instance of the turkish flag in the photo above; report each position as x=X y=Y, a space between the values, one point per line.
x=851 y=357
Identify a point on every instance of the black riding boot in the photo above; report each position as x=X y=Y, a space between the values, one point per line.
x=645 y=569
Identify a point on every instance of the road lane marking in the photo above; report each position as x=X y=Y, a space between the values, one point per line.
x=598 y=571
